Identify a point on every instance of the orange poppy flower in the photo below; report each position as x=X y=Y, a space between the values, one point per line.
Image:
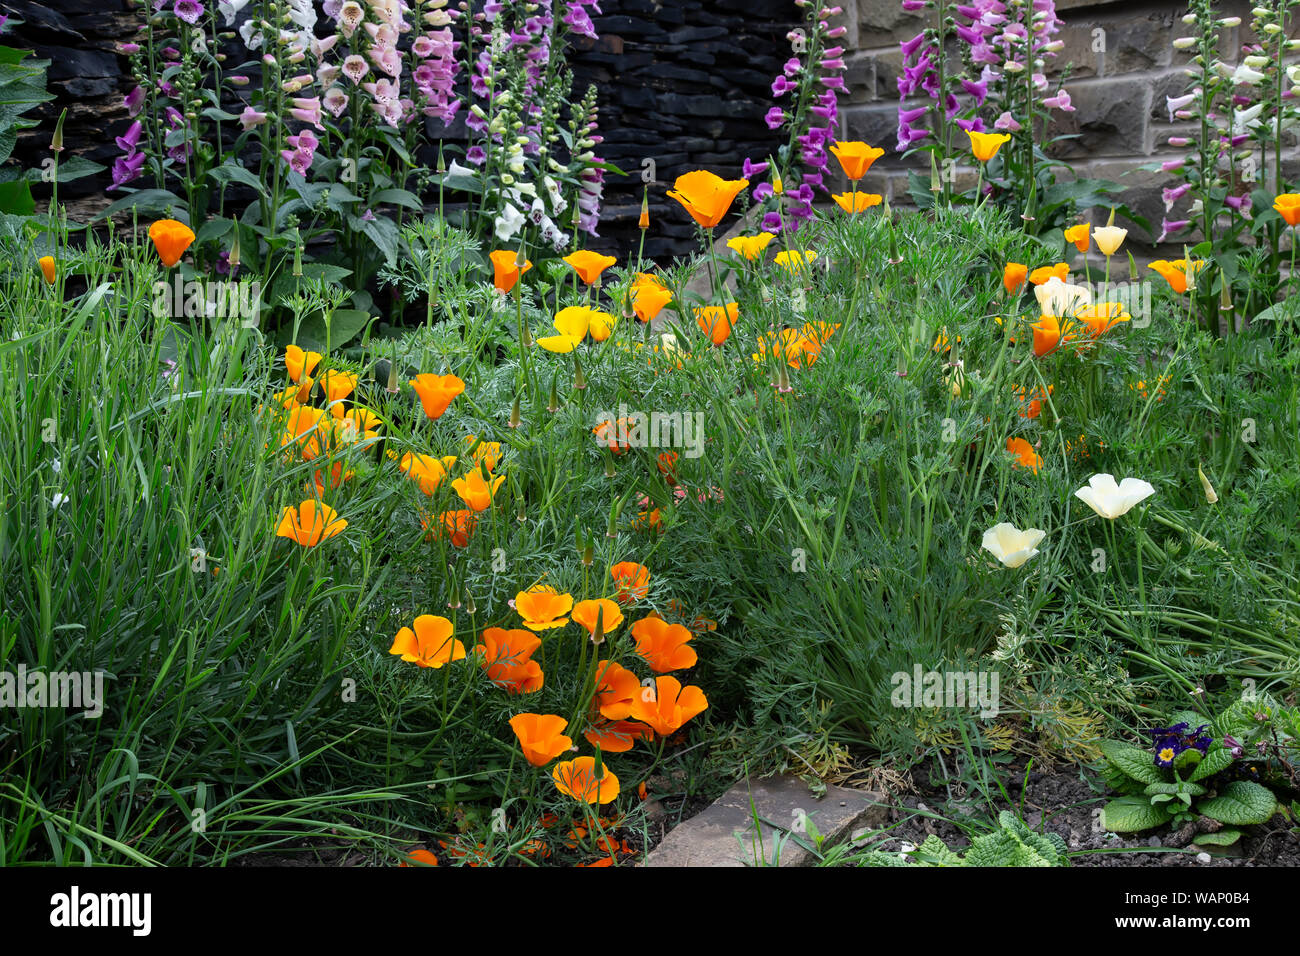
x=857 y=202
x=1288 y=207
x=505 y=273
x=589 y=265
x=1013 y=276
x=1049 y=334
x=430 y=644
x=586 y=612
x=705 y=196
x=542 y=607
x=459 y=849
x=420 y=858
x=633 y=579
x=476 y=492
x=610 y=432
x=425 y=470
x=338 y=385
x=1040 y=275
x=436 y=392
x=1175 y=272
x=48 y=269
x=663 y=645
x=669 y=706
x=355 y=424
x=649 y=520
x=617 y=736
x=337 y=477
x=789 y=344
x=717 y=322
x=457 y=525
x=310 y=523
x=616 y=688
x=1031 y=404
x=507 y=658
x=1102 y=317
x=1026 y=457
x=1080 y=236
x=171 y=239
x=299 y=363
x=815 y=336
x=304 y=426
x=486 y=452
x=649 y=300
x=541 y=737
x=577 y=778
x=855 y=159
x=667 y=464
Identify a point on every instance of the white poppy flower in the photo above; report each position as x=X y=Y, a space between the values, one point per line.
x=1010 y=545
x=1111 y=500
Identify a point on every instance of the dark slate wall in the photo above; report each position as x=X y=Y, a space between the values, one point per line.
x=684 y=82
x=78 y=37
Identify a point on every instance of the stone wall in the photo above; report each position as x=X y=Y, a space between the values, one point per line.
x=1119 y=95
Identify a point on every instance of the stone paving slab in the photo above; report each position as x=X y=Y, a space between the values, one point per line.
x=724 y=833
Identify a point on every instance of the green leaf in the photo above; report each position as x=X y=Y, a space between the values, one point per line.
x=345 y=325
x=1195 y=789
x=397 y=197
x=1132 y=761
x=935 y=852
x=1278 y=311
x=231 y=172
x=1240 y=802
x=382 y=232
x=1225 y=837
x=1217 y=760
x=149 y=202
x=16 y=198
x=1130 y=814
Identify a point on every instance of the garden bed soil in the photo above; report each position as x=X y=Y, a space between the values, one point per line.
x=1063 y=803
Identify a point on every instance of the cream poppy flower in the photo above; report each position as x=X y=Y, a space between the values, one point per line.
x=1110 y=500
x=1109 y=239
x=1010 y=545
x=1059 y=299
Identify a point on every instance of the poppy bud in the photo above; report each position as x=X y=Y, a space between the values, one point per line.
x=1211 y=495
x=56 y=141
x=470 y=607
x=442 y=165
x=579 y=380
x=392 y=373
x=297 y=255
x=644 y=221
x=553 y=405
x=935 y=185
x=233 y=258
x=609 y=464
x=514 y=415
